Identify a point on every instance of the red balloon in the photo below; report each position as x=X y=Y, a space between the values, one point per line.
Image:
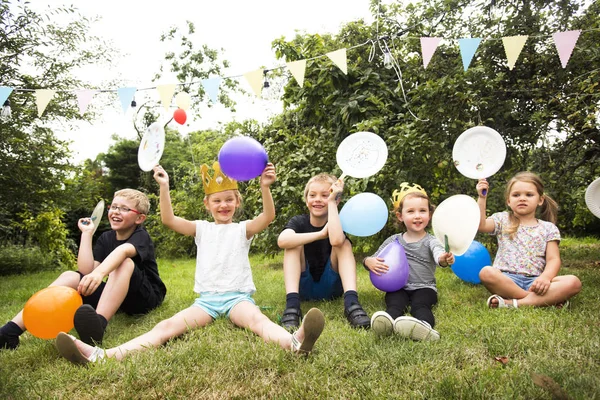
x=180 y=116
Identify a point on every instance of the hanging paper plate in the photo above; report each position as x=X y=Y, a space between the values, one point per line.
x=151 y=147
x=479 y=152
x=97 y=215
x=361 y=154
x=592 y=197
x=456 y=221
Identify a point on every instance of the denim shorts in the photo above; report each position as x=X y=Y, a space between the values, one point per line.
x=522 y=281
x=221 y=304
x=329 y=286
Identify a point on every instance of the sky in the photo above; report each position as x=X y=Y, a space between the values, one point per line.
x=243 y=29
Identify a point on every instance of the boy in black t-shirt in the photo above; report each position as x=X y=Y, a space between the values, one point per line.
x=125 y=255
x=318 y=263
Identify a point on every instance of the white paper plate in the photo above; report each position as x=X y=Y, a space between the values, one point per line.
x=592 y=197
x=458 y=218
x=151 y=147
x=361 y=154
x=97 y=215
x=479 y=152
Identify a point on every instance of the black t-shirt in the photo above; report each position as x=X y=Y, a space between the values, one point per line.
x=144 y=259
x=316 y=253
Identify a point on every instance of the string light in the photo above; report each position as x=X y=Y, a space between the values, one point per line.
x=388 y=60
x=133 y=103
x=6 y=111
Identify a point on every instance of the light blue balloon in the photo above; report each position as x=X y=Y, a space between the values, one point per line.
x=364 y=215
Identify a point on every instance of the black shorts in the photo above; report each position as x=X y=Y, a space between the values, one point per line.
x=141 y=296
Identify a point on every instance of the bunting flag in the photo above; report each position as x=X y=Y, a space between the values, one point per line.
x=84 y=98
x=255 y=79
x=297 y=69
x=42 y=98
x=211 y=87
x=339 y=58
x=5 y=91
x=428 y=47
x=468 y=47
x=512 y=47
x=126 y=96
x=166 y=92
x=565 y=43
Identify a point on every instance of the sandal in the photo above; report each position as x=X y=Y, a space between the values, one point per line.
x=313 y=325
x=65 y=344
x=291 y=317
x=357 y=317
x=501 y=303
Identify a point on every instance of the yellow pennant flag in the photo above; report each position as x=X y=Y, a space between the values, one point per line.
x=42 y=98
x=255 y=79
x=166 y=93
x=297 y=69
x=513 y=46
x=339 y=58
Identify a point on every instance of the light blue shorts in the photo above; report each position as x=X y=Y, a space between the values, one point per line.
x=522 y=281
x=218 y=305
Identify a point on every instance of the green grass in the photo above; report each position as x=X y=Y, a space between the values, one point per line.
x=222 y=361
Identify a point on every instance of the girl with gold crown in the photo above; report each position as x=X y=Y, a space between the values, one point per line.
x=223 y=274
x=423 y=252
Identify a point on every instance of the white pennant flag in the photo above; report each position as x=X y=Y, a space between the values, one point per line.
x=42 y=98
x=339 y=58
x=298 y=69
x=84 y=98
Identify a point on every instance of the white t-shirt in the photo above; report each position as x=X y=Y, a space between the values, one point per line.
x=222 y=263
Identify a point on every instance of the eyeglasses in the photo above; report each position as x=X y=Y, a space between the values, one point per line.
x=122 y=209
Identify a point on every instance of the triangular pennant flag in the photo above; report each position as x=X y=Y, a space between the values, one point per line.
x=297 y=69
x=339 y=58
x=513 y=46
x=255 y=79
x=166 y=93
x=5 y=91
x=428 y=47
x=565 y=43
x=126 y=96
x=468 y=47
x=42 y=98
x=211 y=87
x=84 y=98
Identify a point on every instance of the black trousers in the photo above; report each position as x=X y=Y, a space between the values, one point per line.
x=420 y=301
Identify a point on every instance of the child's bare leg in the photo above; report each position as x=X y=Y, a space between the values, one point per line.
x=115 y=290
x=247 y=315
x=561 y=288
x=190 y=318
x=498 y=283
x=343 y=262
x=293 y=265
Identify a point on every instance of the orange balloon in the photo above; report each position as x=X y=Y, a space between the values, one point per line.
x=180 y=116
x=51 y=311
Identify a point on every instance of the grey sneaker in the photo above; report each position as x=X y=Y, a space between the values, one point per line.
x=415 y=329
x=382 y=323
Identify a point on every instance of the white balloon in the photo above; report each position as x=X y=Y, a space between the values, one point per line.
x=457 y=217
x=183 y=100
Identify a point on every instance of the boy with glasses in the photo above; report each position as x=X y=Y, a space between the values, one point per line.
x=125 y=255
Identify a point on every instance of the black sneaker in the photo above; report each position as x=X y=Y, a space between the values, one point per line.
x=291 y=317
x=357 y=317
x=88 y=325
x=8 y=342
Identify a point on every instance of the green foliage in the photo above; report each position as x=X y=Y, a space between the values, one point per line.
x=17 y=259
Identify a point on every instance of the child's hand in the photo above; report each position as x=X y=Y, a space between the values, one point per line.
x=482 y=187
x=335 y=193
x=161 y=176
x=376 y=265
x=89 y=283
x=85 y=225
x=446 y=259
x=540 y=286
x=268 y=176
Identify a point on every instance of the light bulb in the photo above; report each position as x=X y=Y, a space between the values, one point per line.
x=388 y=61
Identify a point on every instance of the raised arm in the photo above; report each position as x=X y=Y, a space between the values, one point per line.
x=486 y=225
x=85 y=256
x=334 y=225
x=168 y=218
x=262 y=220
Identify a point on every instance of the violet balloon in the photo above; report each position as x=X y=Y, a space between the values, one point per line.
x=242 y=158
x=397 y=275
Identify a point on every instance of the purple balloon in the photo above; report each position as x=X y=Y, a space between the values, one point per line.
x=242 y=158
x=397 y=276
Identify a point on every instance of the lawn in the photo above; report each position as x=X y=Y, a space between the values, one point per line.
x=541 y=352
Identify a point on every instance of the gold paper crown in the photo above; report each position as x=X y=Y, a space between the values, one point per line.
x=217 y=183
x=405 y=188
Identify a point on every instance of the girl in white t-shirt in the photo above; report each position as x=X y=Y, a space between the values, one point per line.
x=223 y=274
x=525 y=270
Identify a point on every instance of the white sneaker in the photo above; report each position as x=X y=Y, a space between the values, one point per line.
x=382 y=323
x=415 y=329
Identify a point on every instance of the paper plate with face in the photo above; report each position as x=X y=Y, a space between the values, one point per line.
x=592 y=197
x=479 y=152
x=151 y=147
x=361 y=155
x=456 y=221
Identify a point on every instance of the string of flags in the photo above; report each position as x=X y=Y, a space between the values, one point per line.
x=513 y=45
